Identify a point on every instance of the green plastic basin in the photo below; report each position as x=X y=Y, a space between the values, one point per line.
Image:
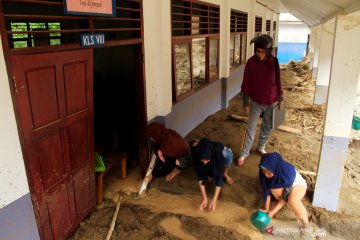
x=260 y=220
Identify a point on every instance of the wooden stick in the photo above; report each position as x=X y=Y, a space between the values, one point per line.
x=243 y=119
x=307 y=172
x=288 y=129
x=113 y=220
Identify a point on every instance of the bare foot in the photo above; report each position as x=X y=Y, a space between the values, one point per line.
x=171 y=175
x=228 y=179
x=240 y=161
x=261 y=151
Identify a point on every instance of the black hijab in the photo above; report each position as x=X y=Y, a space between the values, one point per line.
x=211 y=151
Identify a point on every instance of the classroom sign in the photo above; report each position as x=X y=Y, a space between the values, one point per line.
x=90 y=7
x=89 y=40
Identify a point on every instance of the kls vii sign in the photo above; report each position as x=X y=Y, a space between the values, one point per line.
x=89 y=40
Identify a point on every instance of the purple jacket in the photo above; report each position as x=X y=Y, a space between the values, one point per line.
x=261 y=82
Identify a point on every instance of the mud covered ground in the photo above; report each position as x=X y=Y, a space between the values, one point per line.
x=170 y=209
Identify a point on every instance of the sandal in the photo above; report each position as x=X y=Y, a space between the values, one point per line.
x=240 y=161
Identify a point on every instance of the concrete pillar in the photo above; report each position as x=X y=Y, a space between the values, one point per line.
x=312 y=43
x=325 y=52
x=344 y=75
x=225 y=13
x=316 y=51
x=251 y=30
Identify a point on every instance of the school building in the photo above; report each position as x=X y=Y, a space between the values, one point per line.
x=81 y=75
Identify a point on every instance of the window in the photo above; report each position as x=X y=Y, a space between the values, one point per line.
x=38 y=23
x=238 y=33
x=274 y=31
x=258 y=26
x=23 y=40
x=195 y=40
x=268 y=27
x=182 y=64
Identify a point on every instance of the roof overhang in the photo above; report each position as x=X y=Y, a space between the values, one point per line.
x=313 y=12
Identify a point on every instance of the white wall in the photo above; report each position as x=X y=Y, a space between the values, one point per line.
x=13 y=181
x=259 y=10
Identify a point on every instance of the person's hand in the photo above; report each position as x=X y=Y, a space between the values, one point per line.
x=264 y=210
x=247 y=110
x=160 y=155
x=212 y=206
x=148 y=178
x=271 y=214
x=281 y=105
x=203 y=204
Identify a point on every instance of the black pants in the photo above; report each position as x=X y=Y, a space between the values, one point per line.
x=161 y=169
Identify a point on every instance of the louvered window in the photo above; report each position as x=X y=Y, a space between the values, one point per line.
x=258 y=26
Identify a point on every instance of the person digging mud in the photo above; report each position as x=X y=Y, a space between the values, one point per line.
x=171 y=150
x=281 y=180
x=212 y=161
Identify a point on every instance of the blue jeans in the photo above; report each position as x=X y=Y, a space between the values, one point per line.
x=228 y=155
x=265 y=129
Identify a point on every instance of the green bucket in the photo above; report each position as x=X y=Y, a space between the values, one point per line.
x=260 y=220
x=356 y=123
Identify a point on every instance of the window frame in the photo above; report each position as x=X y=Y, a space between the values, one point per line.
x=175 y=89
x=238 y=26
x=215 y=77
x=184 y=30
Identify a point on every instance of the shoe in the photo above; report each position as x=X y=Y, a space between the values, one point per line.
x=240 y=161
x=261 y=151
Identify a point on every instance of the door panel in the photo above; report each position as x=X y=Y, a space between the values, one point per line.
x=51 y=160
x=78 y=146
x=74 y=75
x=59 y=210
x=42 y=96
x=81 y=190
x=55 y=97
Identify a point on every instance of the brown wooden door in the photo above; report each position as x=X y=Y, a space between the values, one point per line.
x=55 y=100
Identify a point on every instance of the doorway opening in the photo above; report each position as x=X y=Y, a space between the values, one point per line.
x=116 y=84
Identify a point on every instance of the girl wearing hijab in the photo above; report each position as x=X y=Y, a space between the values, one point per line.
x=280 y=179
x=171 y=149
x=211 y=160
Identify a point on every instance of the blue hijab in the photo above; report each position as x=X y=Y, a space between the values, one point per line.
x=284 y=173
